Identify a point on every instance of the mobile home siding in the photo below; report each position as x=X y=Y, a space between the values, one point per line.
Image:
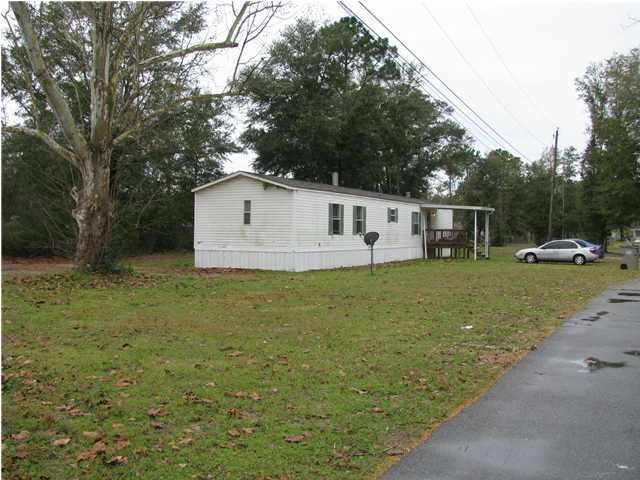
x=221 y=239
x=288 y=228
x=316 y=249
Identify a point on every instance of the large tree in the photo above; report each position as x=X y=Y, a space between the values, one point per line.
x=497 y=180
x=611 y=163
x=89 y=78
x=333 y=98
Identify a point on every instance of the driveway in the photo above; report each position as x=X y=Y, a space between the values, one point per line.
x=569 y=410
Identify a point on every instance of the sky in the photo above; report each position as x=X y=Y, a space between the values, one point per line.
x=524 y=91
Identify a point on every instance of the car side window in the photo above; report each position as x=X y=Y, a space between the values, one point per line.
x=566 y=245
x=551 y=246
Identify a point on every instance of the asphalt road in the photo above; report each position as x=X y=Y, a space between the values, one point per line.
x=561 y=413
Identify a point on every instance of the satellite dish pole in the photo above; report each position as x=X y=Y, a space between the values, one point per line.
x=370 y=239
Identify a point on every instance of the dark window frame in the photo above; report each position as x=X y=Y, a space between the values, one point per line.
x=336 y=219
x=392 y=215
x=246 y=213
x=415 y=226
x=359 y=220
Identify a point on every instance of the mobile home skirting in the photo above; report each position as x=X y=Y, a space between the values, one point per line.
x=299 y=261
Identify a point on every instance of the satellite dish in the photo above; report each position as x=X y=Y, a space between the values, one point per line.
x=371 y=237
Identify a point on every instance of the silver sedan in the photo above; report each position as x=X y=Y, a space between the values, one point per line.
x=558 y=251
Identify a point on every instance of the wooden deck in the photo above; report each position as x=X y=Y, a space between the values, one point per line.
x=456 y=240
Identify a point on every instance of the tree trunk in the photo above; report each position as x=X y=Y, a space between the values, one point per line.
x=93 y=213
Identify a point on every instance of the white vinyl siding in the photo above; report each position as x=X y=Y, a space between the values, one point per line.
x=219 y=216
x=291 y=229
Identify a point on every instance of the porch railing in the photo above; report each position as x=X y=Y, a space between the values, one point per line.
x=450 y=237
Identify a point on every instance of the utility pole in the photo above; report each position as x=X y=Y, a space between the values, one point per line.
x=553 y=186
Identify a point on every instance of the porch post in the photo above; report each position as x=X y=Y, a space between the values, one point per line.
x=486 y=235
x=475 y=235
x=424 y=234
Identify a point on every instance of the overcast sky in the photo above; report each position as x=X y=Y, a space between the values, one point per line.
x=545 y=45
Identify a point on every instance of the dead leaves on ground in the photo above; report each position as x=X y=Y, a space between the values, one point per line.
x=300 y=437
x=124 y=382
x=60 y=442
x=253 y=395
x=21 y=451
x=71 y=410
x=100 y=448
x=157 y=412
x=117 y=460
x=22 y=435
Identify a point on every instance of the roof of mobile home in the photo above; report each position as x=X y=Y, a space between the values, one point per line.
x=292 y=184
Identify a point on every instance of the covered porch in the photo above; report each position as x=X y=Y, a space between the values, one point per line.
x=441 y=242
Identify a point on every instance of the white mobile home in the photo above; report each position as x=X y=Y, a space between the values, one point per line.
x=248 y=220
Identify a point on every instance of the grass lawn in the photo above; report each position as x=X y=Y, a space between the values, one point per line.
x=172 y=373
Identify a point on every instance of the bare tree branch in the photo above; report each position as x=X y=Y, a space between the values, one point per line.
x=229 y=42
x=49 y=85
x=50 y=142
x=154 y=116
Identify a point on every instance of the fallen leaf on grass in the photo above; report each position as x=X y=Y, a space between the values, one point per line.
x=359 y=391
x=394 y=451
x=75 y=412
x=157 y=425
x=236 y=394
x=377 y=410
x=237 y=353
x=186 y=441
x=254 y=396
x=234 y=432
x=157 y=412
x=191 y=397
x=210 y=384
x=297 y=438
x=98 y=448
x=21 y=451
x=92 y=435
x=22 y=435
x=306 y=366
x=248 y=430
x=124 y=382
x=60 y=442
x=120 y=443
x=117 y=460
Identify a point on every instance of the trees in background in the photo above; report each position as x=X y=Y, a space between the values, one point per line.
x=332 y=98
x=152 y=199
x=115 y=130
x=497 y=180
x=611 y=162
x=91 y=78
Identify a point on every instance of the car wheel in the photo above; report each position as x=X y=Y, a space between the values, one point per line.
x=530 y=258
x=579 y=260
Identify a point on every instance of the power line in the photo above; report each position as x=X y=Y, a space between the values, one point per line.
x=406 y=63
x=506 y=67
x=443 y=82
x=479 y=76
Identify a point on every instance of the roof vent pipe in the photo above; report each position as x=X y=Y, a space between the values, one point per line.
x=334 y=179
